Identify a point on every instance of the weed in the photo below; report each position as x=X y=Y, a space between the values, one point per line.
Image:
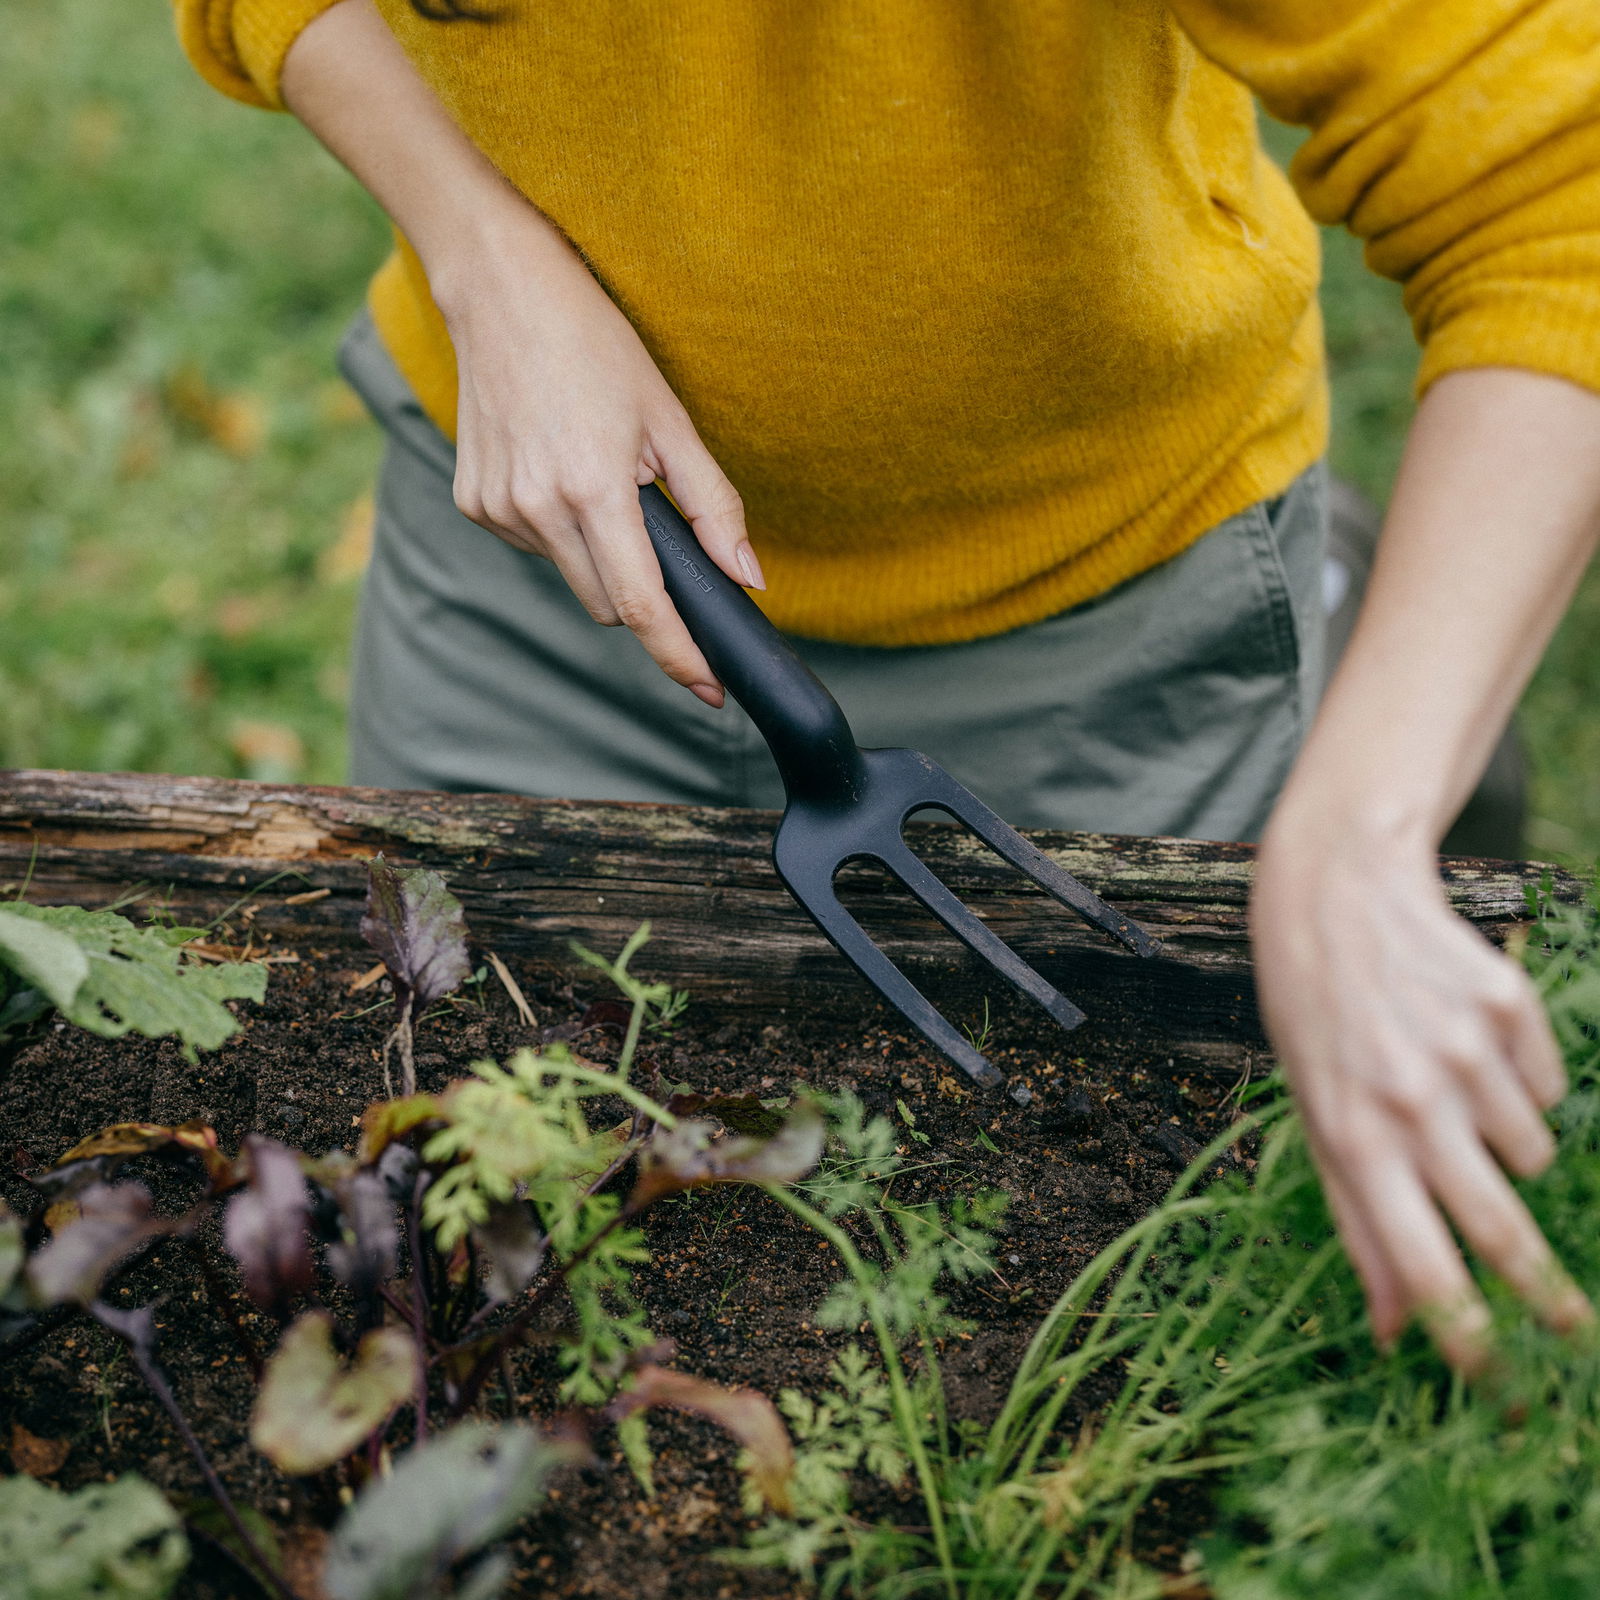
x=910 y=1121
x=105 y=1394
x=708 y=1228
x=1232 y=1336
x=475 y=980
x=664 y=1018
x=978 y=1037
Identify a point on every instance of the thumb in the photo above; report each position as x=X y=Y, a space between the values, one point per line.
x=712 y=504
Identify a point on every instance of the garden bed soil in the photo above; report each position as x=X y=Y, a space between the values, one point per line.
x=733 y=1281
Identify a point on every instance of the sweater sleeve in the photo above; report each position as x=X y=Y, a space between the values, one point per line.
x=1460 y=139
x=238 y=46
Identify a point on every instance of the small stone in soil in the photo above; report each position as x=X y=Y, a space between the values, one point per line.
x=1179 y=1150
x=1075 y=1116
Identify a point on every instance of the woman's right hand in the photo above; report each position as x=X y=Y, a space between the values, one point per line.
x=563 y=415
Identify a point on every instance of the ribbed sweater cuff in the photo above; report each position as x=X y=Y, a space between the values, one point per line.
x=1548 y=328
x=238 y=46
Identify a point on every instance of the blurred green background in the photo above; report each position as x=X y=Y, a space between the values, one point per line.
x=183 y=481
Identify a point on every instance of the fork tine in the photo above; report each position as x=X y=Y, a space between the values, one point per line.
x=1007 y=843
x=856 y=946
x=959 y=918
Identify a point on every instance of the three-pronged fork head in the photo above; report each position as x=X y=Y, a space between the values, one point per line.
x=821 y=833
x=849 y=804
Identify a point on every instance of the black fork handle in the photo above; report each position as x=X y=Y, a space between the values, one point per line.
x=804 y=728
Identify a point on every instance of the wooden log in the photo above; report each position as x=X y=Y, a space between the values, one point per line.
x=534 y=874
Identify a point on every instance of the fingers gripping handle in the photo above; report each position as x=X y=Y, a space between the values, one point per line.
x=804 y=728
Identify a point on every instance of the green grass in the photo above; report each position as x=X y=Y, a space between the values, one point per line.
x=176 y=459
x=1221 y=1344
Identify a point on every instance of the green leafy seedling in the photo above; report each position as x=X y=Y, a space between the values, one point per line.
x=115 y=1541
x=444 y=1502
x=910 y=1121
x=104 y=973
x=665 y=1017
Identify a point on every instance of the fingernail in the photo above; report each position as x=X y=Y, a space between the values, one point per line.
x=749 y=566
x=709 y=692
x=1575 y=1312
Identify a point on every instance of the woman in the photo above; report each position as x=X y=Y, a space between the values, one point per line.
x=1006 y=334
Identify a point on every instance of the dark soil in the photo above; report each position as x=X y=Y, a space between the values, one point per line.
x=733 y=1281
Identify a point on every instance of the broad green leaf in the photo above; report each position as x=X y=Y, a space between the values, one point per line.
x=156 y=999
x=138 y=982
x=452 y=1496
x=43 y=957
x=113 y=1541
x=313 y=1409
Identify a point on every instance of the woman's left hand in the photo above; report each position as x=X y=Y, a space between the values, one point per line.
x=1422 y=1063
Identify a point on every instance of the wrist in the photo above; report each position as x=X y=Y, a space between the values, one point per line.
x=1368 y=786
x=1316 y=836
x=501 y=245
x=1375 y=823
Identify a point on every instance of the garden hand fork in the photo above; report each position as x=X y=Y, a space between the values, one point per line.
x=849 y=804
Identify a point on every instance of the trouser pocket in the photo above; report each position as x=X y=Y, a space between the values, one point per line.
x=1177 y=703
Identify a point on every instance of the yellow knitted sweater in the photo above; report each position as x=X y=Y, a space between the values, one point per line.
x=988 y=305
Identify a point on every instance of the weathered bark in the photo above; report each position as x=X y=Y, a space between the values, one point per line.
x=535 y=873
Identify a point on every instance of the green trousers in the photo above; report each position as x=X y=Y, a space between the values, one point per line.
x=1172 y=705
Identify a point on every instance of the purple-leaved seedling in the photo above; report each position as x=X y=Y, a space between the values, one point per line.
x=417 y=926
x=427 y=1300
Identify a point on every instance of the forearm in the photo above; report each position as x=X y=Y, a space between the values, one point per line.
x=1420 y=1057
x=1493 y=519
x=347 y=79
x=561 y=413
